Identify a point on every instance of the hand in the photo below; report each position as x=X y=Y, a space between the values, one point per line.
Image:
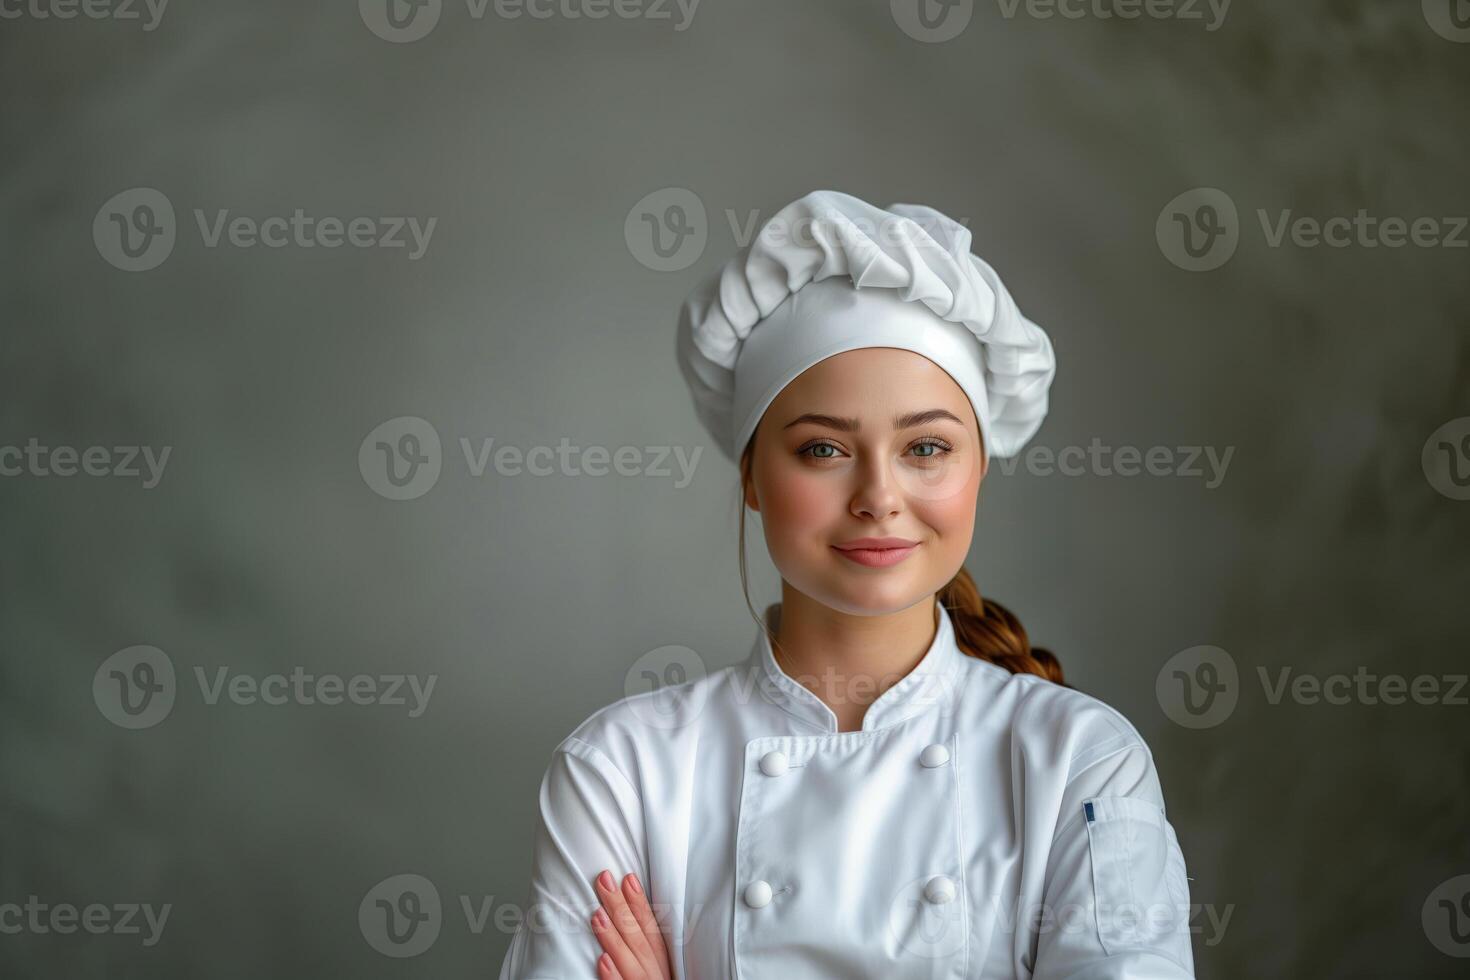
x=629 y=933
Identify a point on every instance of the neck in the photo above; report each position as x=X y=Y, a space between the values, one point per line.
x=849 y=660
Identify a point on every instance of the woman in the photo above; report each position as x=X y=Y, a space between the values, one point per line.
x=893 y=784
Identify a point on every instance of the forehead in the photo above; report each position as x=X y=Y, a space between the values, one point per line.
x=872 y=380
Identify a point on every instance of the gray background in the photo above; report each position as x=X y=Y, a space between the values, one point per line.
x=1320 y=829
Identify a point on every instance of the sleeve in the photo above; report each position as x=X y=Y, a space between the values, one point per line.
x=1116 y=901
x=590 y=818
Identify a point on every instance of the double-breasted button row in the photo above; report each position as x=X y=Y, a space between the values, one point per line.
x=776 y=762
x=937 y=890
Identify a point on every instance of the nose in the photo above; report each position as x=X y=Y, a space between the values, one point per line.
x=876 y=495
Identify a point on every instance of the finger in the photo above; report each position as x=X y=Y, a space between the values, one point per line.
x=606 y=970
x=624 y=963
x=637 y=900
x=627 y=926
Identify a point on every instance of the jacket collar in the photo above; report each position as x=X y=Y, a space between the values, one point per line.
x=930 y=686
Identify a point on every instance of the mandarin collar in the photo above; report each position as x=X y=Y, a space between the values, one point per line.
x=930 y=686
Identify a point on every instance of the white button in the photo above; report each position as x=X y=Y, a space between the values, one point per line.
x=774 y=763
x=933 y=756
x=758 y=894
x=939 y=890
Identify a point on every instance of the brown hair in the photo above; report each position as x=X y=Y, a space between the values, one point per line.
x=983 y=628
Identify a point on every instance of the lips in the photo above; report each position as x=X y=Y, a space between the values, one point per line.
x=875 y=544
x=877 y=552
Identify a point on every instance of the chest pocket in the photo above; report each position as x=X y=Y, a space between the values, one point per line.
x=848 y=860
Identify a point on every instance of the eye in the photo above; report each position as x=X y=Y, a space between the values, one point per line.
x=811 y=450
x=932 y=447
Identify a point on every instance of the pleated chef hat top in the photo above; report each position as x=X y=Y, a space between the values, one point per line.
x=830 y=273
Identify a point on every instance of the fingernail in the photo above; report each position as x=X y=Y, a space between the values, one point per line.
x=600 y=917
x=604 y=963
x=633 y=880
x=605 y=880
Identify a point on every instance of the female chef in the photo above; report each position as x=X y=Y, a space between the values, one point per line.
x=893 y=784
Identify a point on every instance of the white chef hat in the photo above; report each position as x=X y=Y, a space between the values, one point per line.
x=830 y=273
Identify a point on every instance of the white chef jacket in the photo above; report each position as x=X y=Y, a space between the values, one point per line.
x=981 y=824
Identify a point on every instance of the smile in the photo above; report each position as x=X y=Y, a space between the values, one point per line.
x=876 y=557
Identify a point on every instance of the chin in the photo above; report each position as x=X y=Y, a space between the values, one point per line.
x=874 y=594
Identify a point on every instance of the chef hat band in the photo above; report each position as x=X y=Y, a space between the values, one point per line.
x=829 y=317
x=831 y=273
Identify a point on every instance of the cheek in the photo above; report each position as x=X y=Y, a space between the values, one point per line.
x=951 y=517
x=794 y=501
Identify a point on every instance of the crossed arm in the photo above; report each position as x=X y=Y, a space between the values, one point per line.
x=591 y=817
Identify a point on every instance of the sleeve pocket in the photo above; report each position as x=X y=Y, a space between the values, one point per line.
x=1141 y=897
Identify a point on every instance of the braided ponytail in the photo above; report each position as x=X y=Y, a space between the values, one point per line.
x=988 y=631
x=984 y=629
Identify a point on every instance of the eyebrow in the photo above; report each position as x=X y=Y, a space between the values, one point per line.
x=853 y=425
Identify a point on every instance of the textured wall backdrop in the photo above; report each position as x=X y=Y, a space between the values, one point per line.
x=191 y=504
